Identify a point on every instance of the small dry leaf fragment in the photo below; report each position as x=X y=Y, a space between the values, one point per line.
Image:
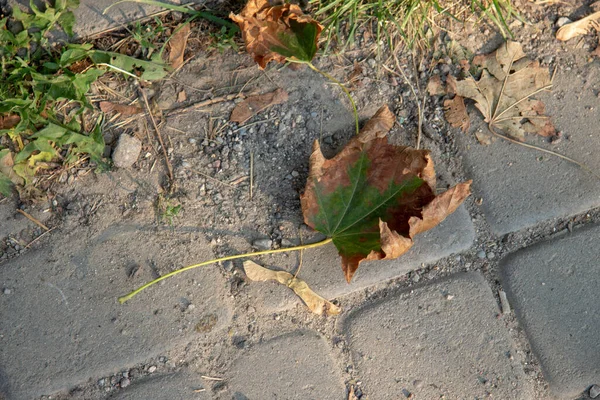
x=123 y=109
x=9 y=121
x=373 y=197
x=177 y=46
x=503 y=93
x=484 y=138
x=456 y=113
x=435 y=86
x=181 y=96
x=580 y=27
x=255 y=104
x=313 y=301
x=277 y=33
x=6 y=167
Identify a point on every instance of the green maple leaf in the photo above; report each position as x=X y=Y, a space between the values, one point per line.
x=373 y=197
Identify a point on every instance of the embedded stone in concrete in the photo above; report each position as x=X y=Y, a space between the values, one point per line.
x=292 y=366
x=181 y=385
x=554 y=290
x=322 y=268
x=521 y=187
x=61 y=323
x=443 y=340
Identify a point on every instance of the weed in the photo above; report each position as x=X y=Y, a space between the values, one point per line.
x=145 y=35
x=167 y=209
x=223 y=39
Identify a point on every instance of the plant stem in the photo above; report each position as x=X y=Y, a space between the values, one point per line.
x=332 y=79
x=123 y=299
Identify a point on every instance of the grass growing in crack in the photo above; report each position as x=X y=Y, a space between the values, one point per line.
x=407 y=19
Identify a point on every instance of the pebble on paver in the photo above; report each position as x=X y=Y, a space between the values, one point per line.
x=292 y=366
x=443 y=339
x=553 y=288
x=521 y=187
x=62 y=324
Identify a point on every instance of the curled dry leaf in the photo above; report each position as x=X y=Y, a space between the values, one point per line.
x=252 y=105
x=277 y=33
x=123 y=109
x=313 y=301
x=456 y=113
x=373 y=197
x=581 y=27
x=9 y=121
x=177 y=46
x=504 y=92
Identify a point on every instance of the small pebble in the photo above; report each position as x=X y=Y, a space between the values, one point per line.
x=125 y=382
x=101 y=382
x=295 y=174
x=127 y=151
x=7 y=291
x=594 y=391
x=262 y=244
x=481 y=254
x=162 y=359
x=563 y=21
x=192 y=141
x=491 y=256
x=152 y=369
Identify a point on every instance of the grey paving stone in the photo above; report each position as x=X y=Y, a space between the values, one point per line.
x=61 y=324
x=90 y=18
x=518 y=189
x=440 y=340
x=183 y=385
x=293 y=366
x=323 y=272
x=554 y=288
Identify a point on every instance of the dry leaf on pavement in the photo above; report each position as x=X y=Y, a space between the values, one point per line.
x=313 y=301
x=580 y=27
x=9 y=121
x=255 y=104
x=504 y=92
x=435 y=86
x=456 y=113
x=373 y=197
x=123 y=109
x=277 y=33
x=177 y=46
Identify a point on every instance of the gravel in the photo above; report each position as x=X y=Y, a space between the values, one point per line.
x=127 y=151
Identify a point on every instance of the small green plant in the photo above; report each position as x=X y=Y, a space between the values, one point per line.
x=43 y=87
x=223 y=39
x=145 y=35
x=167 y=209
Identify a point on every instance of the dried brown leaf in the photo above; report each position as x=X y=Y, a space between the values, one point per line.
x=181 y=96
x=372 y=197
x=9 y=121
x=123 y=109
x=177 y=46
x=252 y=105
x=435 y=86
x=456 y=113
x=503 y=93
x=6 y=168
x=580 y=27
x=266 y=28
x=313 y=301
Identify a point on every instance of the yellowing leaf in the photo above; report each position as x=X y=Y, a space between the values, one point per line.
x=581 y=27
x=177 y=46
x=313 y=301
x=277 y=33
x=503 y=93
x=255 y=104
x=373 y=197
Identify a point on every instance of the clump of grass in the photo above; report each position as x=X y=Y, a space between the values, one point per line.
x=407 y=19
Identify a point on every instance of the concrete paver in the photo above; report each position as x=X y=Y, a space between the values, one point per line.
x=443 y=339
x=70 y=327
x=181 y=385
x=521 y=187
x=293 y=366
x=553 y=287
x=323 y=272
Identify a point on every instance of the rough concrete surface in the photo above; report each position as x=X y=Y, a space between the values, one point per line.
x=441 y=340
x=293 y=366
x=553 y=288
x=70 y=326
x=181 y=385
x=521 y=187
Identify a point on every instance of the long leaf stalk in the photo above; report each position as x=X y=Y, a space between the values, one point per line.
x=123 y=299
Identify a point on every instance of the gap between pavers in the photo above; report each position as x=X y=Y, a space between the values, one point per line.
x=443 y=339
x=322 y=268
x=292 y=366
x=554 y=288
x=519 y=190
x=61 y=323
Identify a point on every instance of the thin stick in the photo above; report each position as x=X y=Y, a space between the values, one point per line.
x=195 y=106
x=530 y=146
x=162 y=144
x=32 y=219
x=251 y=173
x=211 y=378
x=301 y=258
x=211 y=178
x=123 y=299
x=38 y=238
